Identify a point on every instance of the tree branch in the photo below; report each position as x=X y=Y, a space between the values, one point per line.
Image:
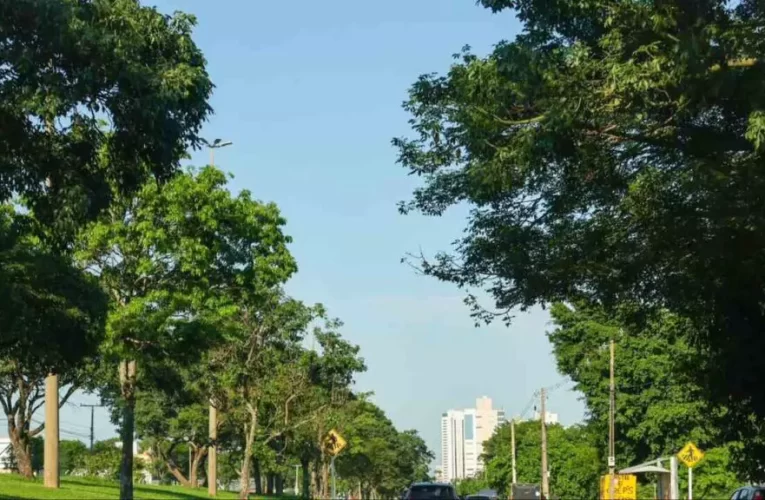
x=67 y=395
x=295 y=426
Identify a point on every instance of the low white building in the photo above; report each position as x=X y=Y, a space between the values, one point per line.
x=550 y=418
x=6 y=452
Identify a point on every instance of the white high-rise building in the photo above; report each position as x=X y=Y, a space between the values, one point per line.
x=463 y=433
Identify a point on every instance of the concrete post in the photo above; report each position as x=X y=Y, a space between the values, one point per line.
x=51 y=458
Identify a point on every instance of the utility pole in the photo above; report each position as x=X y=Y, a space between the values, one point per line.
x=611 y=426
x=92 y=422
x=545 y=479
x=512 y=444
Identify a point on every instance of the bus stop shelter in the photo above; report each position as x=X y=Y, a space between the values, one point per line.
x=667 y=486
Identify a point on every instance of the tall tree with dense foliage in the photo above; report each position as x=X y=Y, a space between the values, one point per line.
x=52 y=317
x=98 y=96
x=660 y=405
x=83 y=77
x=613 y=151
x=170 y=258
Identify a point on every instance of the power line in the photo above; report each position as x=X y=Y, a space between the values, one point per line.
x=536 y=394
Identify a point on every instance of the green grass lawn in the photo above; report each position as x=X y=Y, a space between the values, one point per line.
x=80 y=488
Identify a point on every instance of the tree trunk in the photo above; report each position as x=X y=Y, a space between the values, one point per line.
x=258 y=477
x=306 y=488
x=270 y=483
x=279 y=486
x=127 y=386
x=324 y=480
x=22 y=454
x=247 y=459
x=196 y=460
x=315 y=481
x=172 y=467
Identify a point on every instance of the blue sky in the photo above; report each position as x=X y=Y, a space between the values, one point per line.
x=310 y=92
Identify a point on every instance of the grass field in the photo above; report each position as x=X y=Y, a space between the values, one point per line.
x=79 y=488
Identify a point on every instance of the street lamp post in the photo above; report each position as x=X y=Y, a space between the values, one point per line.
x=212 y=146
x=212 y=454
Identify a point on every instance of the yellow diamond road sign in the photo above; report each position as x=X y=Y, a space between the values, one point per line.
x=334 y=442
x=690 y=455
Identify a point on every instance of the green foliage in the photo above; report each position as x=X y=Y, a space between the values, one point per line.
x=72 y=455
x=471 y=485
x=714 y=476
x=572 y=459
x=378 y=457
x=659 y=404
x=52 y=320
x=53 y=315
x=174 y=260
x=611 y=152
x=104 y=460
x=171 y=256
x=72 y=67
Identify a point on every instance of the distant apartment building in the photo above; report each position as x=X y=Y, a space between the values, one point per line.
x=463 y=433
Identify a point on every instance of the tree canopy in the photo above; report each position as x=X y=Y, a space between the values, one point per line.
x=613 y=151
x=660 y=403
x=52 y=320
x=96 y=94
x=572 y=459
x=173 y=258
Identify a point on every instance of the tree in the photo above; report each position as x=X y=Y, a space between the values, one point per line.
x=175 y=426
x=106 y=459
x=171 y=259
x=267 y=341
x=72 y=455
x=84 y=77
x=52 y=320
x=326 y=403
x=660 y=405
x=613 y=152
x=573 y=459
x=272 y=387
x=96 y=95
x=471 y=486
x=380 y=461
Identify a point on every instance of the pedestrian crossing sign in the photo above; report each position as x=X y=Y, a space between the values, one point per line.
x=690 y=455
x=334 y=442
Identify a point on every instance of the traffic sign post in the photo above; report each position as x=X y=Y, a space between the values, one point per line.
x=334 y=484
x=690 y=455
x=334 y=444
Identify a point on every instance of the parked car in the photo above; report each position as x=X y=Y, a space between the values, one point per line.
x=749 y=493
x=432 y=491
